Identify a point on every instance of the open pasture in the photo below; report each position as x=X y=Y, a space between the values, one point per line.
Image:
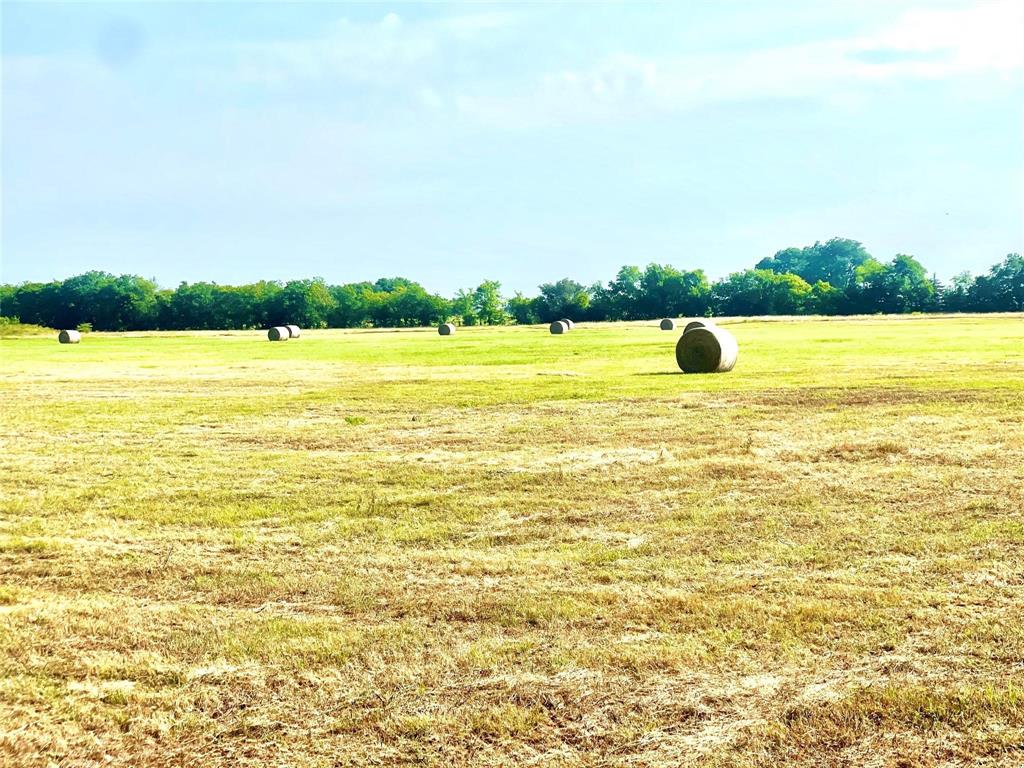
x=506 y=548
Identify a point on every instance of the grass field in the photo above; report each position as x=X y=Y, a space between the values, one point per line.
x=508 y=548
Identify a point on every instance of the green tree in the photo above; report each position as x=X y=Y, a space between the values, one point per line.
x=566 y=298
x=488 y=306
x=461 y=309
x=762 y=292
x=957 y=295
x=622 y=297
x=668 y=292
x=522 y=310
x=834 y=262
x=1002 y=289
x=902 y=285
x=307 y=303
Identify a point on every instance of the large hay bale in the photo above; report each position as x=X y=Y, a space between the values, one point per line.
x=558 y=326
x=294 y=331
x=69 y=337
x=279 y=333
x=668 y=324
x=706 y=350
x=702 y=323
x=569 y=324
x=446 y=329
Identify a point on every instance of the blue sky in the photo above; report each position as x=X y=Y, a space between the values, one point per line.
x=452 y=143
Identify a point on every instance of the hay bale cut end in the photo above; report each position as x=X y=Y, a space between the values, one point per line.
x=69 y=337
x=294 y=331
x=668 y=324
x=568 y=323
x=702 y=323
x=706 y=350
x=558 y=326
x=446 y=329
x=278 y=333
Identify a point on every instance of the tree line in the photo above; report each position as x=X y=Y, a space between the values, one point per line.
x=832 y=278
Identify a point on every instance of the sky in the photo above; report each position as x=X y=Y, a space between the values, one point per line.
x=452 y=143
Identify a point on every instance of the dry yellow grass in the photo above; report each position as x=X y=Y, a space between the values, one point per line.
x=507 y=549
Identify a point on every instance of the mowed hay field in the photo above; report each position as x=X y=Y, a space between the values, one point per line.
x=510 y=548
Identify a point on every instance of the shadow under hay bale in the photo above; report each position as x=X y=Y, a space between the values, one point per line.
x=706 y=350
x=69 y=337
x=278 y=333
x=668 y=324
x=446 y=329
x=558 y=327
x=294 y=331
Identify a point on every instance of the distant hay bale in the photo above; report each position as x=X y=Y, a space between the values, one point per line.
x=446 y=329
x=559 y=326
x=569 y=324
x=668 y=324
x=706 y=350
x=69 y=337
x=279 y=333
x=294 y=331
x=702 y=323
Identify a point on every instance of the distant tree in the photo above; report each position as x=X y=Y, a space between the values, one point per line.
x=836 y=277
x=825 y=299
x=39 y=304
x=762 y=292
x=488 y=306
x=957 y=295
x=834 y=262
x=307 y=303
x=566 y=298
x=123 y=303
x=669 y=292
x=461 y=308
x=522 y=310
x=903 y=285
x=407 y=304
x=351 y=305
x=623 y=294
x=8 y=307
x=1002 y=289
x=192 y=307
x=392 y=284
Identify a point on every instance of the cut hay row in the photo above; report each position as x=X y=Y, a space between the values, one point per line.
x=706 y=348
x=69 y=337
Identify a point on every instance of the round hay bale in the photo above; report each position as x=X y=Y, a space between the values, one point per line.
x=706 y=350
x=568 y=323
x=294 y=331
x=446 y=329
x=668 y=324
x=558 y=326
x=279 y=333
x=702 y=323
x=69 y=337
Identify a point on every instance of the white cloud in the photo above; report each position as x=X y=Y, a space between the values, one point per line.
x=981 y=39
x=385 y=51
x=985 y=37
